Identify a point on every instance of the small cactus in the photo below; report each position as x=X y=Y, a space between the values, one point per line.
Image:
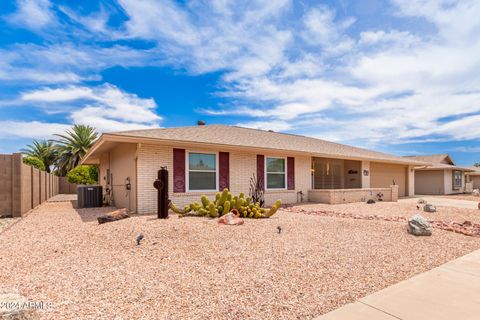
x=205 y=201
x=226 y=207
x=212 y=211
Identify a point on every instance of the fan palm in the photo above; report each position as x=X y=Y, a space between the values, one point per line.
x=43 y=150
x=73 y=145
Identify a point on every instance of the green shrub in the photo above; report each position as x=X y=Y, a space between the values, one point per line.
x=83 y=175
x=34 y=162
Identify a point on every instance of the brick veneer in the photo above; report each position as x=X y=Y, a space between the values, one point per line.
x=242 y=166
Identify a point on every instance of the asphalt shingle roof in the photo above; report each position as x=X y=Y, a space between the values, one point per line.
x=246 y=137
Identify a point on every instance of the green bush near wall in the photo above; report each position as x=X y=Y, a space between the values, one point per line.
x=34 y=162
x=84 y=174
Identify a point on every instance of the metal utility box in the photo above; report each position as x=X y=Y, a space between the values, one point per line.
x=89 y=196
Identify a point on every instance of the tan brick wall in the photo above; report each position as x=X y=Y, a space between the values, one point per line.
x=26 y=195
x=242 y=166
x=5 y=184
x=35 y=187
x=338 y=196
x=23 y=187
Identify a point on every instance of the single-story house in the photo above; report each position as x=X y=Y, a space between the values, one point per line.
x=442 y=176
x=473 y=177
x=206 y=158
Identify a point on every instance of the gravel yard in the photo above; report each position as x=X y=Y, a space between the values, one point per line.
x=468 y=197
x=5 y=222
x=398 y=209
x=192 y=268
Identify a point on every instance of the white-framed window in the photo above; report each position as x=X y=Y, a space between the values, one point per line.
x=275 y=173
x=457 y=179
x=202 y=171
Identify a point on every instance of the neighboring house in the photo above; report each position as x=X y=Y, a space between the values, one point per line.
x=473 y=177
x=205 y=159
x=441 y=176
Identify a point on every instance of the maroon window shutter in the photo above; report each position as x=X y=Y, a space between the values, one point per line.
x=261 y=171
x=179 y=170
x=291 y=173
x=224 y=170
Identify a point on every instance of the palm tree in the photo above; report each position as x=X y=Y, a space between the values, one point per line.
x=43 y=150
x=73 y=145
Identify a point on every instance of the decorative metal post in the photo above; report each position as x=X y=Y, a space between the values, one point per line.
x=161 y=184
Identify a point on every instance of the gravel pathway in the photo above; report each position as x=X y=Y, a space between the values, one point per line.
x=192 y=268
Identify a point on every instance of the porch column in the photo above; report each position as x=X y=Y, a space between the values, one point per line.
x=410 y=181
x=365 y=172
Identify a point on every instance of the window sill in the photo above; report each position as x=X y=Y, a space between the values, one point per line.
x=278 y=191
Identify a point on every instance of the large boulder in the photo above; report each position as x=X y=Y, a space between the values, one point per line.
x=419 y=226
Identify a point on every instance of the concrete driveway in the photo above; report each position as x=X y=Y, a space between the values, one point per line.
x=441 y=201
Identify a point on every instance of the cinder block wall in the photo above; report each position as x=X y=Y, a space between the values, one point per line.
x=23 y=187
x=242 y=166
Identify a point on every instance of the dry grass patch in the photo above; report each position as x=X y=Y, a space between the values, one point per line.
x=192 y=268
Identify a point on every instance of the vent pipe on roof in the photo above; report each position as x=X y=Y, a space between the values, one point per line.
x=201 y=123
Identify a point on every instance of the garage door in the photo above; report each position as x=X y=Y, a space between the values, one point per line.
x=382 y=176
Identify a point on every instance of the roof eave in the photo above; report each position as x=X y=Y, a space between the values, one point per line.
x=135 y=139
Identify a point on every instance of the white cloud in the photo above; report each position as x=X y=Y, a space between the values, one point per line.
x=323 y=30
x=106 y=107
x=32 y=14
x=285 y=66
x=30 y=129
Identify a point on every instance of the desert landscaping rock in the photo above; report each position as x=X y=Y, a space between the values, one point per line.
x=429 y=208
x=115 y=215
x=191 y=268
x=419 y=226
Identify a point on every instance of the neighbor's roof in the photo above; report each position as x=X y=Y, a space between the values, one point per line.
x=475 y=171
x=252 y=138
x=438 y=161
x=433 y=158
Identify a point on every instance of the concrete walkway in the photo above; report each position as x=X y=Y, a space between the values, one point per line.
x=451 y=291
x=445 y=202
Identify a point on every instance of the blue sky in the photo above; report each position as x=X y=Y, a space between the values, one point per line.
x=395 y=76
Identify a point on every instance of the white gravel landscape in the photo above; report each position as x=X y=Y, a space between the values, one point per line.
x=193 y=268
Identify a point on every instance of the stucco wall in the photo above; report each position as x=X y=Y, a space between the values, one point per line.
x=429 y=182
x=383 y=174
x=121 y=162
x=242 y=166
x=476 y=181
x=338 y=196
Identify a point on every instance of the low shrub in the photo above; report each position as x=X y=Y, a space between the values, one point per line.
x=84 y=174
x=34 y=162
